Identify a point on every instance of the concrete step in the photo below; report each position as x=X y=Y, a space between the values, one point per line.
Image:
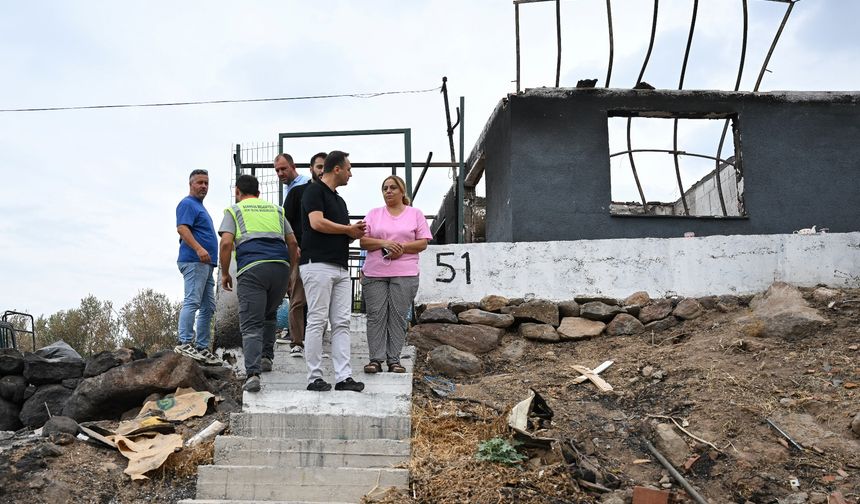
x=232 y=501
x=400 y=383
x=333 y=402
x=322 y=426
x=282 y=350
x=316 y=484
x=234 y=450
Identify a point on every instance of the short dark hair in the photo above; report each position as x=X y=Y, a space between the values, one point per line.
x=286 y=156
x=322 y=155
x=197 y=172
x=248 y=185
x=334 y=158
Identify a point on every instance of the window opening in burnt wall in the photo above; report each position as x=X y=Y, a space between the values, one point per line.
x=675 y=165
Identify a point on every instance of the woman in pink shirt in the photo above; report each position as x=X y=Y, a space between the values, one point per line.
x=395 y=234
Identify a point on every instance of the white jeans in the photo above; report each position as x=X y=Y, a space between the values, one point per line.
x=327 y=288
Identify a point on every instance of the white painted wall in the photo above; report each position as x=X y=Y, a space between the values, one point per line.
x=684 y=266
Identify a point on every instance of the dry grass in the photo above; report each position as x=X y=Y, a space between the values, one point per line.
x=184 y=462
x=443 y=467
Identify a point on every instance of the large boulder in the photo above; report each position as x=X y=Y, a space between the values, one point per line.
x=12 y=388
x=568 y=308
x=476 y=316
x=655 y=310
x=538 y=310
x=110 y=394
x=577 y=328
x=476 y=338
x=109 y=359
x=662 y=324
x=54 y=397
x=640 y=298
x=624 y=324
x=539 y=332
x=11 y=362
x=39 y=370
x=688 y=309
x=460 y=306
x=596 y=310
x=9 y=416
x=493 y=303
x=437 y=315
x=782 y=312
x=449 y=361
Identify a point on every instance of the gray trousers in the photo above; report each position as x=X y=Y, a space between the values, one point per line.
x=388 y=302
x=260 y=290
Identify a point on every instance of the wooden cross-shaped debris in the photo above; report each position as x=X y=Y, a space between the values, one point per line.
x=591 y=375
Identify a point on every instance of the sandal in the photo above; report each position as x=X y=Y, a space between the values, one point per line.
x=395 y=367
x=373 y=367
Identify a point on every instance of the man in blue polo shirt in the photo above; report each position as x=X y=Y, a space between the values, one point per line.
x=198 y=255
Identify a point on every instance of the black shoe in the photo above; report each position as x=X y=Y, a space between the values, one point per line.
x=320 y=385
x=350 y=384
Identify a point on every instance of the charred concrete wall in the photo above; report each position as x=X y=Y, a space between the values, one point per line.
x=547 y=169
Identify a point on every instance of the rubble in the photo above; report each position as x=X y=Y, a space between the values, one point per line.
x=538 y=310
x=473 y=338
x=576 y=328
x=538 y=332
x=478 y=316
x=449 y=361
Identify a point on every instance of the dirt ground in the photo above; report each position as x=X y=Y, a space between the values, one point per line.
x=715 y=380
x=718 y=382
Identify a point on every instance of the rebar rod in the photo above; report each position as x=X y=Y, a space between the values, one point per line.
x=558 y=40
x=773 y=45
x=675 y=123
x=669 y=151
x=726 y=123
x=675 y=474
x=517 y=25
x=611 y=41
x=421 y=177
x=630 y=119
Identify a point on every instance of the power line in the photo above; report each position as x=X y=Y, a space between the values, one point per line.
x=216 y=102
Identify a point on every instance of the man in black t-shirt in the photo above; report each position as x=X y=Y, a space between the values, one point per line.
x=326 y=234
x=298 y=300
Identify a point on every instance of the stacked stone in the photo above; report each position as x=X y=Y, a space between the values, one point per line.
x=455 y=334
x=35 y=386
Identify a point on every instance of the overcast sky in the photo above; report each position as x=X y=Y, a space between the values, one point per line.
x=88 y=197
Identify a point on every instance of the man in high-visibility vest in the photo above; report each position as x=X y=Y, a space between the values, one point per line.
x=265 y=248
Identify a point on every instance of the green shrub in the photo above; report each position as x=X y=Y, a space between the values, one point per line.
x=499 y=450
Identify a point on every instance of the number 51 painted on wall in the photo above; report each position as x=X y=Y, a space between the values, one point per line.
x=448 y=279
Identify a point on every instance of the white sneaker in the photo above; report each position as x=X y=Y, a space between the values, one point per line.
x=188 y=350
x=209 y=358
x=297 y=351
x=283 y=341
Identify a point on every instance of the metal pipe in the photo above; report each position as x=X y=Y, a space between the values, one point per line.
x=460 y=178
x=517 y=23
x=448 y=109
x=675 y=474
x=773 y=45
x=611 y=41
x=675 y=122
x=407 y=146
x=558 y=40
x=421 y=177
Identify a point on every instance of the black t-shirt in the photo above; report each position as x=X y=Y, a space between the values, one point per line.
x=324 y=247
x=293 y=209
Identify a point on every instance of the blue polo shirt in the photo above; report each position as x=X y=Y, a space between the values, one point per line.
x=300 y=180
x=192 y=213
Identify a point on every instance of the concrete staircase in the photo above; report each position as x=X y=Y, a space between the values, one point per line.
x=290 y=445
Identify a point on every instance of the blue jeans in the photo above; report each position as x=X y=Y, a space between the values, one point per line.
x=199 y=300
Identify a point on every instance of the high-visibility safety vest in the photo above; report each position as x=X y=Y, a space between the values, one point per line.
x=259 y=238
